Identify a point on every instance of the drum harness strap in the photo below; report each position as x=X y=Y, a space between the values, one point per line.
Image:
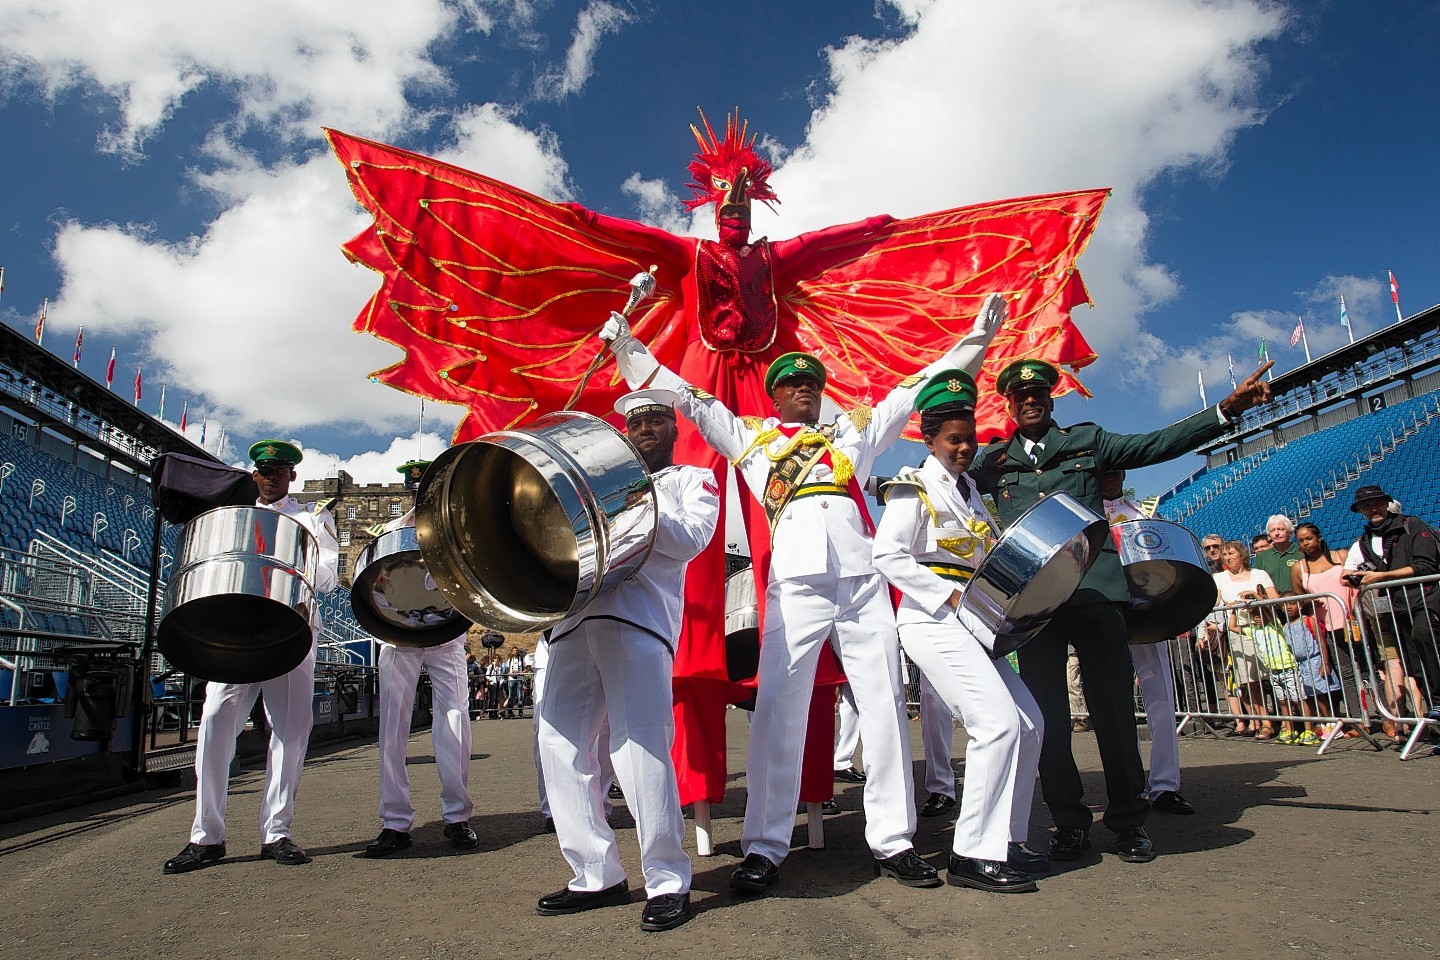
x=669 y=644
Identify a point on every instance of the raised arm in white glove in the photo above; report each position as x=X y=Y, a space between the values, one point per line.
x=636 y=364
x=970 y=351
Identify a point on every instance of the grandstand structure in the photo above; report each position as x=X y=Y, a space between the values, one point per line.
x=80 y=544
x=1368 y=413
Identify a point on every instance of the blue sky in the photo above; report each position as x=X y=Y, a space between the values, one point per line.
x=174 y=196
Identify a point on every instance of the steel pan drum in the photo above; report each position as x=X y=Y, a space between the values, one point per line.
x=1034 y=568
x=237 y=609
x=522 y=528
x=742 y=626
x=1171 y=588
x=395 y=598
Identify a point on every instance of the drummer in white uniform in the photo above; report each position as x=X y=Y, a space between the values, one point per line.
x=822 y=589
x=933 y=535
x=399 y=670
x=614 y=659
x=288 y=699
x=1157 y=678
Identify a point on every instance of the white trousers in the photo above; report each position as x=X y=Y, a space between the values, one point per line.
x=847 y=731
x=1157 y=690
x=1004 y=724
x=602 y=669
x=937 y=737
x=290 y=712
x=800 y=616
x=602 y=745
x=449 y=729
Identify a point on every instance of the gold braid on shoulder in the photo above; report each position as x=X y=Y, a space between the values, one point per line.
x=843 y=468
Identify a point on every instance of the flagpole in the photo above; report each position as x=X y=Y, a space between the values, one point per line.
x=1306 y=341
x=1231 y=360
x=1345 y=319
x=420 y=437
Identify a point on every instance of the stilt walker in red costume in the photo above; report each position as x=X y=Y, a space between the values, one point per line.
x=495 y=295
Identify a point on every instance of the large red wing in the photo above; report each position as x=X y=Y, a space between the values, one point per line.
x=880 y=299
x=495 y=294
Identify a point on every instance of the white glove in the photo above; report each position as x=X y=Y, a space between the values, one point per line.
x=635 y=363
x=968 y=354
x=991 y=316
x=616 y=330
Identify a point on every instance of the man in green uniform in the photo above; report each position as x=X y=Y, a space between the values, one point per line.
x=1041 y=458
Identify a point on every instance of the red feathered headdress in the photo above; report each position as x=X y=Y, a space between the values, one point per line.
x=718 y=163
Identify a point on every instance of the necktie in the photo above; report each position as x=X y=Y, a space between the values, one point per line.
x=1035 y=450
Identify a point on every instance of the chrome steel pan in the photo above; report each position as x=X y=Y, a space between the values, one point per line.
x=742 y=626
x=1171 y=588
x=395 y=598
x=522 y=528
x=238 y=608
x=1034 y=568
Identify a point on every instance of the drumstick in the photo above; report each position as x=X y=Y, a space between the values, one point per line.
x=641 y=286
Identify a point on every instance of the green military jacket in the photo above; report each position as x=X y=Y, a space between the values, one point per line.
x=1074 y=460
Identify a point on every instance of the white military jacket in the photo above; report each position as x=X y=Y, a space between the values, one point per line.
x=931 y=538
x=688 y=503
x=812 y=536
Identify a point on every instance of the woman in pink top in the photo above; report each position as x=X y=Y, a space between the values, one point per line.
x=1319 y=571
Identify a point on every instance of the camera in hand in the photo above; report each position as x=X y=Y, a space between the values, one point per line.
x=1354 y=578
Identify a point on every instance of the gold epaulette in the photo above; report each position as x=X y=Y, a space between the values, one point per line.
x=911 y=380
x=860 y=416
x=752 y=423
x=908 y=477
x=699 y=394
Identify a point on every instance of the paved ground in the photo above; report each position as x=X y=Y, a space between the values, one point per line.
x=1290 y=854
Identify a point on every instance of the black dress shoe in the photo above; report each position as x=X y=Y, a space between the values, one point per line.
x=850 y=775
x=755 y=873
x=991 y=875
x=830 y=806
x=909 y=869
x=1067 y=843
x=387 y=843
x=1022 y=858
x=615 y=793
x=1170 y=801
x=665 y=912
x=285 y=852
x=936 y=804
x=194 y=856
x=461 y=836
x=574 y=901
x=1134 y=845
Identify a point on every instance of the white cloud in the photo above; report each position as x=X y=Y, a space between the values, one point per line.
x=981 y=101
x=597 y=19
x=289 y=64
x=264 y=289
x=657 y=204
x=376 y=466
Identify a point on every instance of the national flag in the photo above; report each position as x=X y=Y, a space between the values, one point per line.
x=40 y=321
x=1344 y=317
x=160 y=413
x=1394 y=296
x=1231 y=360
x=204 y=422
x=1200 y=376
x=1264 y=351
x=138 y=392
x=2 y=281
x=184 y=409
x=110 y=370
x=79 y=339
x=1299 y=331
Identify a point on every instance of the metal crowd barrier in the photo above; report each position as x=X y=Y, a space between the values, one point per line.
x=1398 y=621
x=1359 y=675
